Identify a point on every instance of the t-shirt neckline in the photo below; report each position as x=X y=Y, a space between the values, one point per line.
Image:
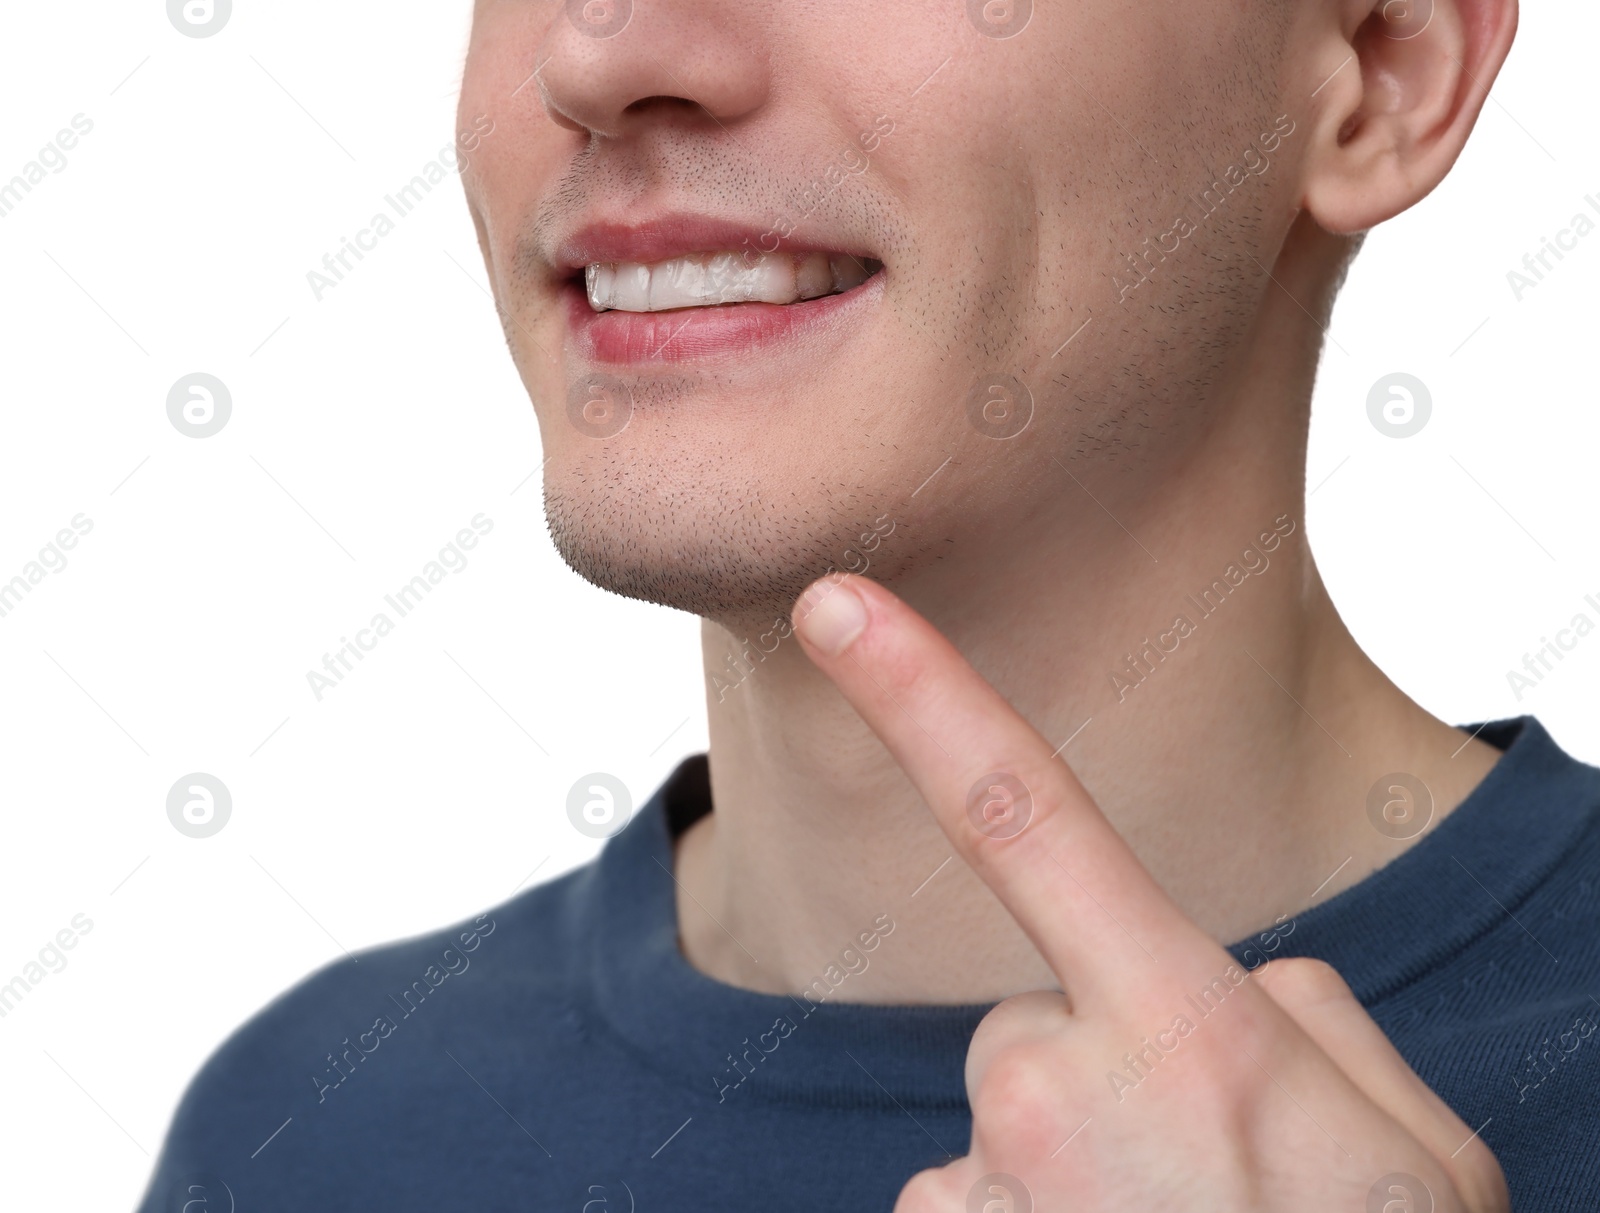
x=1466 y=877
x=736 y=1044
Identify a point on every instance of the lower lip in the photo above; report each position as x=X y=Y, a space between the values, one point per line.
x=729 y=329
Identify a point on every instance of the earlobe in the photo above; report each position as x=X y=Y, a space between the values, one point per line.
x=1393 y=116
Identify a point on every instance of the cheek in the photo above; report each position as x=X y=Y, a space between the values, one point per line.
x=498 y=88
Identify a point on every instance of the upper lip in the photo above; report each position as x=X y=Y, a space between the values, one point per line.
x=664 y=237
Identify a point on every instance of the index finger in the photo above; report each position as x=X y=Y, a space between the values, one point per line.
x=1013 y=811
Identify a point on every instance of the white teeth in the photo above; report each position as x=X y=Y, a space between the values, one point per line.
x=712 y=279
x=709 y=279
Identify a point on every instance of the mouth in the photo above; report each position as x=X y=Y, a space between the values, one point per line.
x=690 y=288
x=722 y=278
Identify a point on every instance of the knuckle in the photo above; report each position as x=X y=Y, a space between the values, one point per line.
x=1016 y=1082
x=1030 y=1019
x=1480 y=1180
x=930 y=1191
x=1022 y=1012
x=1016 y=1104
x=1303 y=981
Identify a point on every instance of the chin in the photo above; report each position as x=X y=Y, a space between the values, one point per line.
x=731 y=569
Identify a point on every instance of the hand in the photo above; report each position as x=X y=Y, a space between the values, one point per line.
x=1164 y=1076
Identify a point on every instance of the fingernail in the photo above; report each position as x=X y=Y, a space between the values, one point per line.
x=830 y=615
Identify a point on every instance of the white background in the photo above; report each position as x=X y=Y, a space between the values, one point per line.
x=369 y=427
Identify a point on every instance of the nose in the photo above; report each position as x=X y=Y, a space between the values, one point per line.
x=612 y=67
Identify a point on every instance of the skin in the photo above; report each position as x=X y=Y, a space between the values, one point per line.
x=1227 y=790
x=1128 y=961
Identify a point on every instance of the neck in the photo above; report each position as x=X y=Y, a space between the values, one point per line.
x=1209 y=698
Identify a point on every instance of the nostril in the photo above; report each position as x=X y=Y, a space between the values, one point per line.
x=660 y=102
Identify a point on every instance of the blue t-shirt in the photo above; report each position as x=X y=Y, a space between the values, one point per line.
x=558 y=1052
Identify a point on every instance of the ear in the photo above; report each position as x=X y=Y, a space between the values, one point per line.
x=1403 y=82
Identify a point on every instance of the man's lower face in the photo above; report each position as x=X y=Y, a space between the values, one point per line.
x=779 y=281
